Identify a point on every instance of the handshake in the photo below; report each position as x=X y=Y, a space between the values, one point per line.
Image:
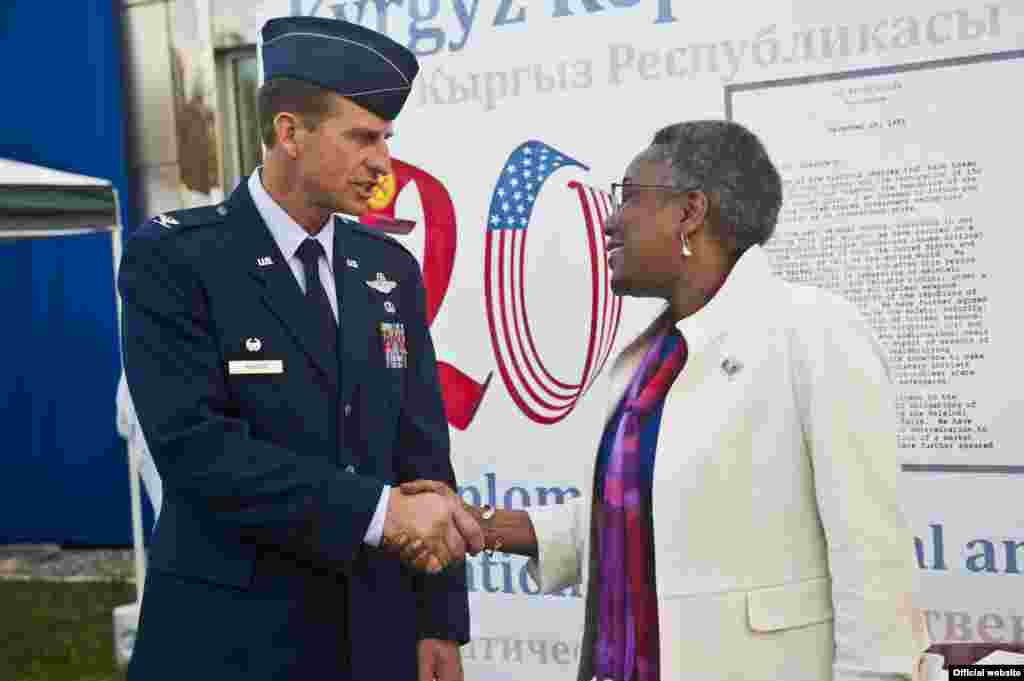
x=428 y=527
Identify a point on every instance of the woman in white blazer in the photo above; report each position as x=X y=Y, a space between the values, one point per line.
x=779 y=545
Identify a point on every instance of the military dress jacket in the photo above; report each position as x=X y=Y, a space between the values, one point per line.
x=273 y=451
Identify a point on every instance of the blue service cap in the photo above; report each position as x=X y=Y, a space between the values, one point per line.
x=358 y=63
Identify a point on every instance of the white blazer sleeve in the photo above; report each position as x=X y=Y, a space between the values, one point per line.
x=847 y=407
x=561 y=537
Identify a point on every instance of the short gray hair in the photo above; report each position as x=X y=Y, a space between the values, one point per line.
x=725 y=158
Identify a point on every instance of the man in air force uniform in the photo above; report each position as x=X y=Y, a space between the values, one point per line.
x=285 y=379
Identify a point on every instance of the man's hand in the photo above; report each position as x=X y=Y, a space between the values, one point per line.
x=426 y=521
x=504 y=530
x=421 y=486
x=416 y=552
x=430 y=530
x=438 y=660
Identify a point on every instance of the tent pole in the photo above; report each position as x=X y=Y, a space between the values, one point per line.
x=140 y=556
x=133 y=463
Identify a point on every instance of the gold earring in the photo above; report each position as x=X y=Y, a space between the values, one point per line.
x=686 y=247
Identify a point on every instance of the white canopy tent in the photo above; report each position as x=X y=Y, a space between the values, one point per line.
x=38 y=203
x=32 y=196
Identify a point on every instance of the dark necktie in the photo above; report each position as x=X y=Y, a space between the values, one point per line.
x=309 y=254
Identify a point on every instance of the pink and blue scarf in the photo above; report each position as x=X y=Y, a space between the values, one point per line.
x=626 y=648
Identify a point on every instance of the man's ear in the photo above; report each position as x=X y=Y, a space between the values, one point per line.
x=286 y=131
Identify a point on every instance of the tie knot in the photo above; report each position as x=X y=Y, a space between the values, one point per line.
x=309 y=253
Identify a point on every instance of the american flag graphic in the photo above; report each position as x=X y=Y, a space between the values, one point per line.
x=541 y=396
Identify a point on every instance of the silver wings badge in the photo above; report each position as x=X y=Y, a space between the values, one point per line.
x=382 y=284
x=165 y=220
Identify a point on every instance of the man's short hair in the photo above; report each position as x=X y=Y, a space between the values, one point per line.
x=288 y=95
x=725 y=159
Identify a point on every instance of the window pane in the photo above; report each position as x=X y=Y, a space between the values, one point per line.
x=246 y=76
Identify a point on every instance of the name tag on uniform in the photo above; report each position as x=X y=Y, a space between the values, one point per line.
x=256 y=366
x=396 y=354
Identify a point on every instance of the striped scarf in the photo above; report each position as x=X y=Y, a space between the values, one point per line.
x=627 y=636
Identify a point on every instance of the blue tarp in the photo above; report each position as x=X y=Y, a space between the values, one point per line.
x=63 y=473
x=63 y=470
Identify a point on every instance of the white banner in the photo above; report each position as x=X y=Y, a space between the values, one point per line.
x=516 y=277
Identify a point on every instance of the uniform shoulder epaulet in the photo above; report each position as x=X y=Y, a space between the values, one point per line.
x=363 y=230
x=187 y=218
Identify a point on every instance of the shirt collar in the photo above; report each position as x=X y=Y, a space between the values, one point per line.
x=287 y=233
x=744 y=285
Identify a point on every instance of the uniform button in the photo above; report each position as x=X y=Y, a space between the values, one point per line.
x=222 y=210
x=348 y=409
x=350 y=468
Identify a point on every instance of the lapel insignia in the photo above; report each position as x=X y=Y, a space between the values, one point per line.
x=382 y=284
x=731 y=366
x=265 y=261
x=166 y=221
x=253 y=344
x=354 y=264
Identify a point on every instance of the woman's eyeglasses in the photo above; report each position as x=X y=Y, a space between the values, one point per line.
x=623 y=192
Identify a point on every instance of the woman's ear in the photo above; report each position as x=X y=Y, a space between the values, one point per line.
x=694 y=210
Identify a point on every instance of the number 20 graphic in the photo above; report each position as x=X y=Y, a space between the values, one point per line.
x=537 y=393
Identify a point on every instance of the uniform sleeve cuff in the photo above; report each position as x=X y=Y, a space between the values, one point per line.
x=375 y=532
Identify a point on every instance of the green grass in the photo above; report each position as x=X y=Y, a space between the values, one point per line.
x=52 y=631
